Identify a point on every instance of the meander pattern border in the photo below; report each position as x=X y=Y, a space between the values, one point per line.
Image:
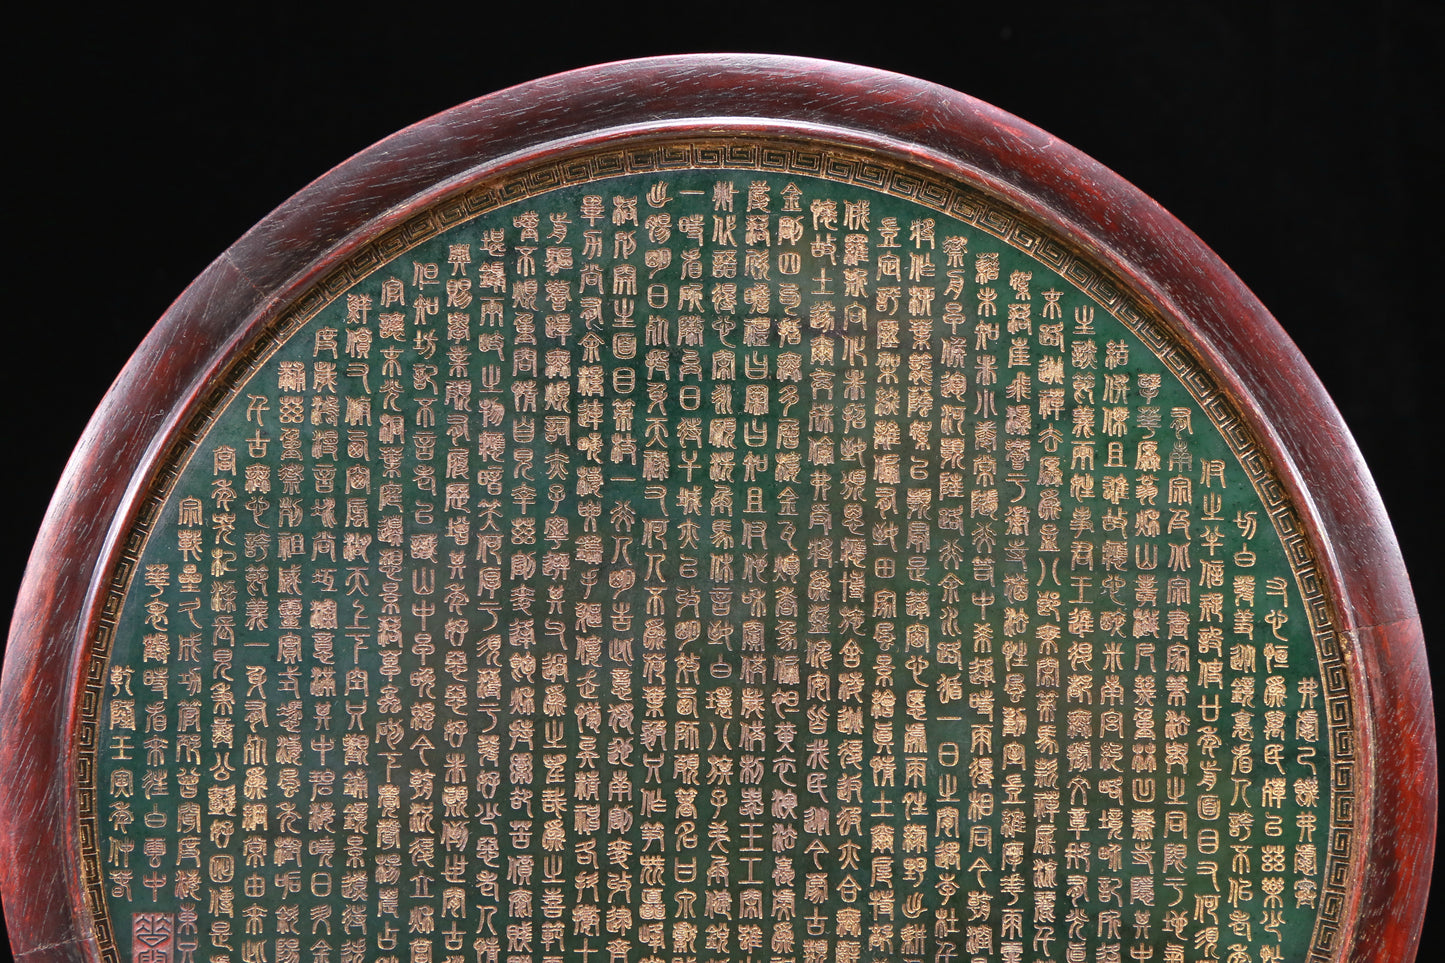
x=773 y=153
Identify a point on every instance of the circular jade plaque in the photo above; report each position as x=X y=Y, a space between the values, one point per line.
x=695 y=527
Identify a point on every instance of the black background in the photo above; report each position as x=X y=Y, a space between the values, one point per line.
x=1304 y=146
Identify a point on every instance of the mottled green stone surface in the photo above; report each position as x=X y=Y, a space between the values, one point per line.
x=721 y=589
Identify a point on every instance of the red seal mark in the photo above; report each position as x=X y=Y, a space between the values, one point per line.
x=152 y=937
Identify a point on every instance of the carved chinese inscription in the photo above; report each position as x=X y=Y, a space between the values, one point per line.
x=712 y=565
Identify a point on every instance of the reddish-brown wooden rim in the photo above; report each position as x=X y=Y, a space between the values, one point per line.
x=247 y=288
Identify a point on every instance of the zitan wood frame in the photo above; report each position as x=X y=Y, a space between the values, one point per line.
x=253 y=283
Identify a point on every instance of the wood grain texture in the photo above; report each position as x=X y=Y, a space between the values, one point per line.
x=246 y=289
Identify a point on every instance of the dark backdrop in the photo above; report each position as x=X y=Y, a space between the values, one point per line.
x=1304 y=147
